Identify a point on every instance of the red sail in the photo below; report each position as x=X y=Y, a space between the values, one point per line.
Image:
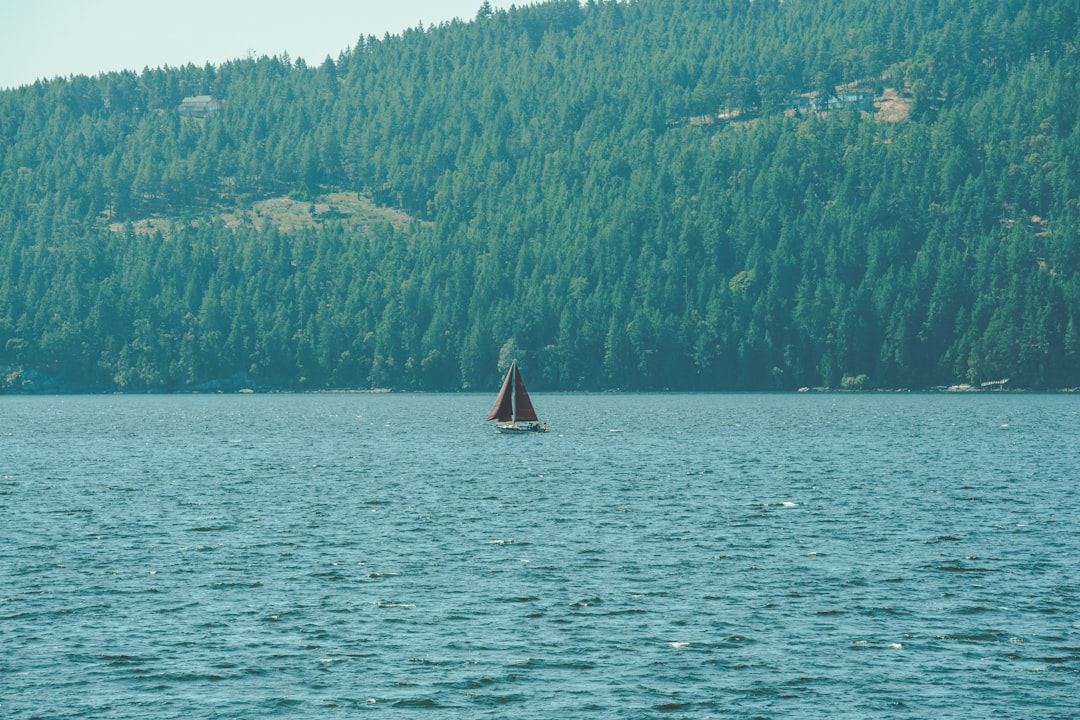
x=525 y=409
x=503 y=410
x=513 y=403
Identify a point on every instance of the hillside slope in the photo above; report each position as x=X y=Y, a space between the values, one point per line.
x=539 y=183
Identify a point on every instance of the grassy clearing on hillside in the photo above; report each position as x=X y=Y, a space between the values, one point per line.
x=287 y=214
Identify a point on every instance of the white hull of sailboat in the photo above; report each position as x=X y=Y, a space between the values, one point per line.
x=517 y=428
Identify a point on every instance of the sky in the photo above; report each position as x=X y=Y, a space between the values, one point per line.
x=43 y=39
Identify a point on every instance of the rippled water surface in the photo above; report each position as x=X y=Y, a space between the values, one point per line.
x=674 y=556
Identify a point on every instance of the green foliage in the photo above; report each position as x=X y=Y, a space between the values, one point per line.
x=611 y=192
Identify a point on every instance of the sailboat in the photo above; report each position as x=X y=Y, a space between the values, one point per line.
x=513 y=411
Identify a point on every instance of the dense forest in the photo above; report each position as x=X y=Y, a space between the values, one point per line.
x=635 y=194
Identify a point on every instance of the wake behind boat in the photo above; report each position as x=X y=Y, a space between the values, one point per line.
x=513 y=411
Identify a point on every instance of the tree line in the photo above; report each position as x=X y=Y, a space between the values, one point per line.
x=615 y=193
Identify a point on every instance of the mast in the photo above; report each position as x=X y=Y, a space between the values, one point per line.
x=513 y=396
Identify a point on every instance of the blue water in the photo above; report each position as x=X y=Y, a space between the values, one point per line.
x=653 y=556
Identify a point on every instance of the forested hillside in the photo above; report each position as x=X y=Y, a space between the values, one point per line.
x=618 y=194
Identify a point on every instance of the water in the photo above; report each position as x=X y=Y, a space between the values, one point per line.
x=654 y=556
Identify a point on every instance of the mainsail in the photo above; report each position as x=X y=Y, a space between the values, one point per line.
x=513 y=403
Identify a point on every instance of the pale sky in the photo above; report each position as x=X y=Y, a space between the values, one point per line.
x=42 y=39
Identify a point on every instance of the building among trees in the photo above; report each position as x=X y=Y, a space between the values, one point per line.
x=859 y=98
x=199 y=106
